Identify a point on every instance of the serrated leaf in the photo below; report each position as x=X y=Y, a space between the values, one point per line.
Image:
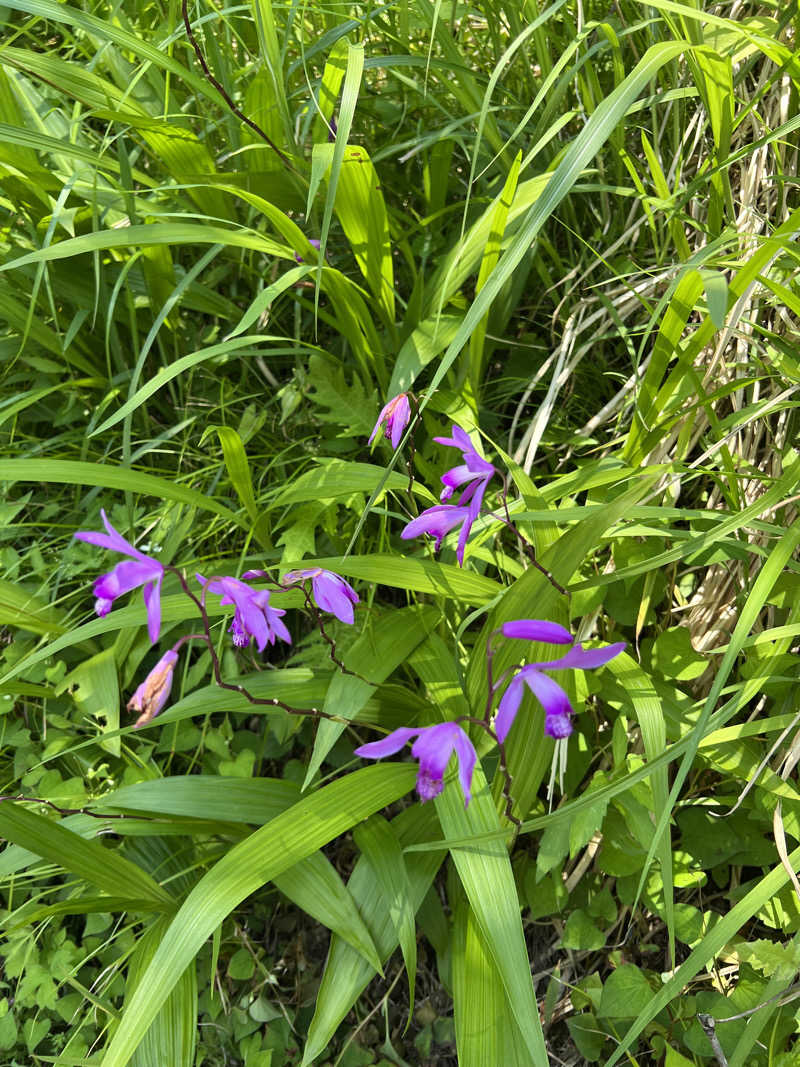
x=348 y=405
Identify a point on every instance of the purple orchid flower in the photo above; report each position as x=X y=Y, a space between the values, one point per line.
x=396 y=414
x=128 y=575
x=253 y=616
x=331 y=592
x=312 y=241
x=433 y=748
x=152 y=694
x=551 y=696
x=473 y=475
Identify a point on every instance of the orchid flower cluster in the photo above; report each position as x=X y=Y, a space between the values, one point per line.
x=256 y=619
x=434 y=745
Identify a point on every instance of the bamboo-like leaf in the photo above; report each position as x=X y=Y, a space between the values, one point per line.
x=767 y=577
x=486 y=1030
x=724 y=930
x=88 y=859
x=306 y=827
x=22 y=609
x=378 y=842
x=172 y=1036
x=488 y=881
x=372 y=658
x=415 y=574
x=72 y=472
x=346 y=973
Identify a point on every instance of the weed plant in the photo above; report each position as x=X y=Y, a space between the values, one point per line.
x=570 y=231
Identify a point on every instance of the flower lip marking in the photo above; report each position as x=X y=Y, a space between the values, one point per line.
x=253 y=617
x=139 y=570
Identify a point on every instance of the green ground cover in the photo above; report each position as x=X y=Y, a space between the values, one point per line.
x=570 y=231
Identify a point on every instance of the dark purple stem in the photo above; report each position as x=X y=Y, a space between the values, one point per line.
x=525 y=545
x=232 y=687
x=74 y=811
x=224 y=93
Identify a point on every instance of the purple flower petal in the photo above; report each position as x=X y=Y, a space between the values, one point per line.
x=508 y=708
x=130 y=574
x=433 y=748
x=548 y=692
x=111 y=540
x=387 y=746
x=152 y=603
x=550 y=633
x=396 y=414
x=460 y=440
x=254 y=616
x=580 y=658
x=335 y=595
x=436 y=521
x=467 y=758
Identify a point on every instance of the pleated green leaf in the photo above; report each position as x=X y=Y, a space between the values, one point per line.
x=89 y=860
x=72 y=472
x=346 y=973
x=172 y=1036
x=306 y=827
x=488 y=881
x=486 y=1030
x=378 y=842
x=382 y=647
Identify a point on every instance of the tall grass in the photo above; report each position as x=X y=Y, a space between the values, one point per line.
x=570 y=230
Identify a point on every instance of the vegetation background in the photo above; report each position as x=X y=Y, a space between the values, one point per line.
x=570 y=229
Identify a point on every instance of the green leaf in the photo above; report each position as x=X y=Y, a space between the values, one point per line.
x=172 y=1036
x=346 y=973
x=378 y=842
x=486 y=1030
x=337 y=477
x=385 y=644
x=490 y=888
x=88 y=859
x=72 y=472
x=238 y=467
x=415 y=574
x=306 y=827
x=626 y=992
x=27 y=612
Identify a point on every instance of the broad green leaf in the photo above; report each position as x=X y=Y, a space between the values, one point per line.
x=415 y=574
x=361 y=210
x=238 y=467
x=27 y=612
x=722 y=933
x=486 y=1030
x=378 y=842
x=298 y=832
x=72 y=472
x=346 y=973
x=488 y=882
x=90 y=860
x=172 y=1036
x=94 y=686
x=337 y=477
